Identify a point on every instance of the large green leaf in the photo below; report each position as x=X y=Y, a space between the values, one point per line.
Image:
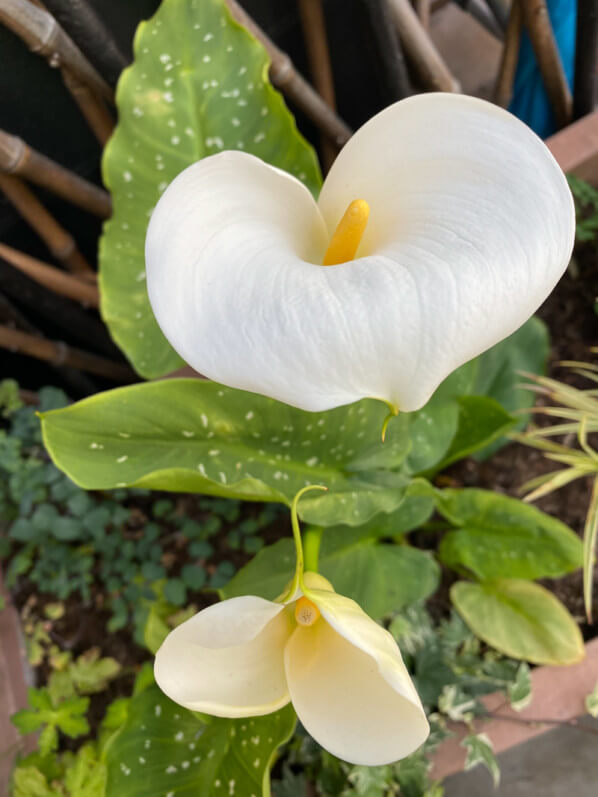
x=456 y=422
x=382 y=578
x=499 y=371
x=433 y=428
x=191 y=435
x=521 y=619
x=501 y=537
x=198 y=85
x=163 y=749
x=480 y=421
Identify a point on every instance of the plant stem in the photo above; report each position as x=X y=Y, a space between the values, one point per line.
x=312 y=537
x=297 y=581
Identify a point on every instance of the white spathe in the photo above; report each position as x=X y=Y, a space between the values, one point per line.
x=344 y=674
x=471 y=225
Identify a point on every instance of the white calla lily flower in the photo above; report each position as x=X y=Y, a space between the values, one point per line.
x=471 y=224
x=343 y=672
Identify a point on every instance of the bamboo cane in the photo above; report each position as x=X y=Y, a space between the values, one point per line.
x=500 y=10
x=537 y=22
x=12 y=317
x=420 y=49
x=482 y=14
x=91 y=106
x=57 y=239
x=503 y=91
x=318 y=56
x=586 y=54
x=388 y=47
x=286 y=78
x=40 y=31
x=50 y=277
x=423 y=10
x=60 y=354
x=82 y=328
x=17 y=158
x=89 y=33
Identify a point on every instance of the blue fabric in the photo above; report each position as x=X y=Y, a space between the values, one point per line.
x=530 y=101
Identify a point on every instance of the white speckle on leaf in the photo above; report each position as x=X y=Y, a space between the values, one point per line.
x=312 y=461
x=124 y=458
x=127 y=176
x=249 y=415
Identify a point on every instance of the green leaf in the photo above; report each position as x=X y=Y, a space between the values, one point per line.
x=521 y=619
x=499 y=371
x=165 y=749
x=501 y=537
x=191 y=435
x=432 y=428
x=381 y=578
x=198 y=85
x=28 y=781
x=69 y=716
x=520 y=690
x=155 y=630
x=86 y=775
x=481 y=420
x=479 y=751
x=592 y=702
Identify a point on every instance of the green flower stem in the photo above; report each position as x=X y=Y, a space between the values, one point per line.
x=300 y=566
x=312 y=537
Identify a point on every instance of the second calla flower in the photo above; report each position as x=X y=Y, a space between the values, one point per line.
x=470 y=226
x=343 y=672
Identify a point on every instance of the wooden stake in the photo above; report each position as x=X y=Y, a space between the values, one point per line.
x=423 y=11
x=59 y=354
x=537 y=22
x=40 y=31
x=57 y=239
x=420 y=49
x=286 y=78
x=87 y=30
x=482 y=14
x=91 y=106
x=50 y=277
x=16 y=157
x=316 y=45
x=503 y=91
x=388 y=48
x=500 y=10
x=586 y=55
